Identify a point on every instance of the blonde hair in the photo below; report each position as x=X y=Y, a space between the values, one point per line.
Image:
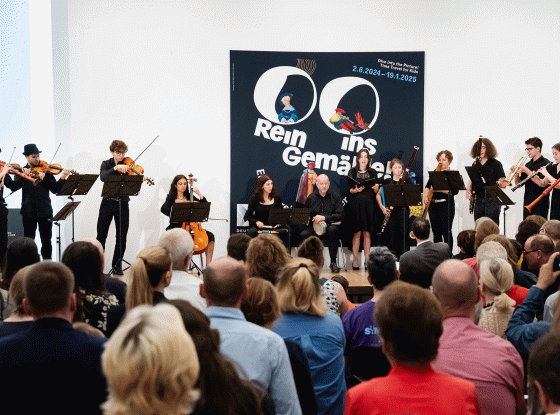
x=497 y=276
x=151 y=364
x=261 y=305
x=266 y=256
x=16 y=292
x=146 y=272
x=299 y=288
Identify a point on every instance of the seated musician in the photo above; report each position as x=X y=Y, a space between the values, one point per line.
x=259 y=206
x=179 y=193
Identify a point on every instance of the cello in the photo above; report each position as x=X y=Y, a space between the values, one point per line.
x=198 y=233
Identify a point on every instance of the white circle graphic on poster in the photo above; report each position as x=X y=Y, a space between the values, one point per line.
x=268 y=87
x=332 y=94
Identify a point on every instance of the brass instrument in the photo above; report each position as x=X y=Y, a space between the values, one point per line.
x=525 y=180
x=509 y=179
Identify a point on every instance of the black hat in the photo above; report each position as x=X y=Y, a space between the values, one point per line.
x=29 y=149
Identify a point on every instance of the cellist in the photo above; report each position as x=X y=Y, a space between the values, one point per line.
x=179 y=193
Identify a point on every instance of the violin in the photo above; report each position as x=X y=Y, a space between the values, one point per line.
x=45 y=167
x=16 y=169
x=198 y=233
x=135 y=169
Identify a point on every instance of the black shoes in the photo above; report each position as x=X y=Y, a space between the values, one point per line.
x=334 y=268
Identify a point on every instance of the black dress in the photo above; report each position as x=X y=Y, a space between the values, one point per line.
x=258 y=212
x=362 y=207
x=396 y=235
x=485 y=204
x=555 y=201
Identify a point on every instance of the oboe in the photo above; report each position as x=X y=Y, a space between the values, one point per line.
x=525 y=180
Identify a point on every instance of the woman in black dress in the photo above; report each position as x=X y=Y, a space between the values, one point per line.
x=362 y=205
x=258 y=209
x=396 y=235
x=551 y=174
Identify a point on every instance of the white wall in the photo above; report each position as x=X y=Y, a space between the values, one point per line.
x=144 y=68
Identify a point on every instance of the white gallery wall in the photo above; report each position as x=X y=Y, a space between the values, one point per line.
x=133 y=70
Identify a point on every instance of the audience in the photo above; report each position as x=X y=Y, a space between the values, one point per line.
x=364 y=359
x=469 y=352
x=483 y=229
x=410 y=323
x=237 y=245
x=345 y=284
x=496 y=277
x=260 y=353
x=536 y=251
x=185 y=286
x=551 y=228
x=312 y=248
x=266 y=255
x=151 y=364
x=51 y=366
x=525 y=229
x=465 y=242
x=19 y=319
x=543 y=372
x=538 y=219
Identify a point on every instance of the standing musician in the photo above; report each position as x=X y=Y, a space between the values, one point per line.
x=533 y=187
x=179 y=193
x=484 y=153
x=7 y=181
x=109 y=208
x=392 y=237
x=36 y=208
x=551 y=174
x=440 y=209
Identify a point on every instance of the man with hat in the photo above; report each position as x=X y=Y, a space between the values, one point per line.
x=36 y=209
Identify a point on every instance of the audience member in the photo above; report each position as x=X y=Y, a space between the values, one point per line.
x=417 y=266
x=525 y=229
x=151 y=364
x=496 y=277
x=51 y=366
x=469 y=352
x=363 y=343
x=306 y=321
x=345 y=285
x=266 y=255
x=93 y=302
x=410 y=323
x=538 y=219
x=551 y=228
x=237 y=245
x=19 y=320
x=465 y=242
x=483 y=229
x=20 y=253
x=261 y=353
x=179 y=243
x=312 y=248
x=536 y=251
x=86 y=328
x=543 y=372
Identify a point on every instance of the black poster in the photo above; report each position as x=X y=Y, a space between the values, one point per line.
x=290 y=109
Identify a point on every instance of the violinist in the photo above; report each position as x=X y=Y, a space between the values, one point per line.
x=179 y=193
x=36 y=208
x=109 y=208
x=7 y=181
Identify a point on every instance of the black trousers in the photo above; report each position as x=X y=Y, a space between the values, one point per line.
x=332 y=238
x=3 y=234
x=45 y=232
x=438 y=219
x=108 y=210
x=486 y=206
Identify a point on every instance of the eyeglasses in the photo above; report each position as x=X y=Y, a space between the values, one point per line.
x=529 y=149
x=528 y=252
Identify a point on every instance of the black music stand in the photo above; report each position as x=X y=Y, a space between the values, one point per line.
x=62 y=214
x=190 y=212
x=403 y=195
x=289 y=217
x=76 y=185
x=117 y=187
x=447 y=180
x=501 y=199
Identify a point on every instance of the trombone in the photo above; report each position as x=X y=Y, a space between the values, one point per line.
x=511 y=176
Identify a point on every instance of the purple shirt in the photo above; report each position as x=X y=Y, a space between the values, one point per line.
x=487 y=360
x=359 y=327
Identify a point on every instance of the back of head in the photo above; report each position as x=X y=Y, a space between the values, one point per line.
x=179 y=243
x=490 y=250
x=312 y=248
x=48 y=288
x=266 y=256
x=525 y=229
x=544 y=366
x=382 y=267
x=237 y=246
x=20 y=253
x=538 y=219
x=542 y=243
x=16 y=290
x=503 y=240
x=456 y=287
x=151 y=364
x=551 y=228
x=261 y=305
x=465 y=241
x=224 y=282
x=410 y=322
x=86 y=263
x=342 y=281
x=146 y=273
x=299 y=289
x=497 y=277
x=421 y=228
x=488 y=227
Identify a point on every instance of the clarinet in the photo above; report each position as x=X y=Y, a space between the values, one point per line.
x=401 y=181
x=522 y=182
x=473 y=194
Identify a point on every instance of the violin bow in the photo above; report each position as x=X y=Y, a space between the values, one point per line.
x=54 y=155
x=9 y=161
x=145 y=149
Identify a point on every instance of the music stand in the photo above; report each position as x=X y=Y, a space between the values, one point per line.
x=62 y=214
x=190 y=212
x=76 y=185
x=117 y=187
x=501 y=199
x=447 y=180
x=403 y=195
x=289 y=217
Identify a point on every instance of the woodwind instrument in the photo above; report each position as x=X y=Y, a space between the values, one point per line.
x=511 y=176
x=429 y=196
x=401 y=181
x=543 y=194
x=525 y=180
x=476 y=160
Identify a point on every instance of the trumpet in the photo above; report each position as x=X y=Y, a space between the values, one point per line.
x=525 y=180
x=511 y=176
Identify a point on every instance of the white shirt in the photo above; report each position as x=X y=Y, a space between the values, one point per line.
x=185 y=286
